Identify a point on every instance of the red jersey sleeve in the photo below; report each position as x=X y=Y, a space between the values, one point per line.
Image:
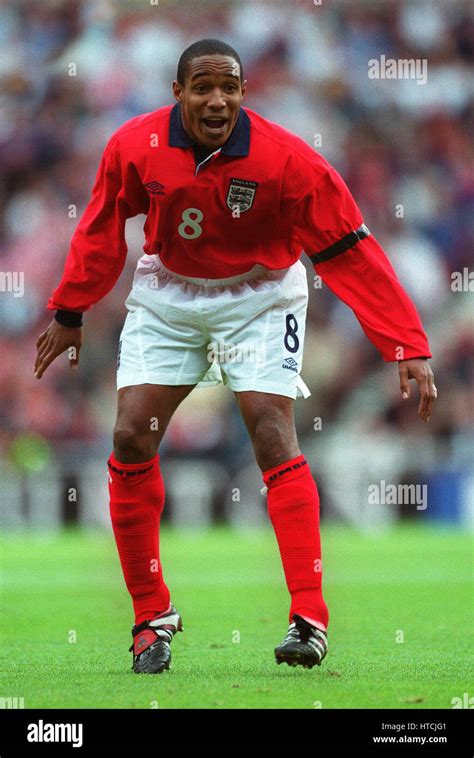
x=329 y=226
x=98 y=249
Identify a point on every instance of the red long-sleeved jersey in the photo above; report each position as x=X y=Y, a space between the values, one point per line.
x=264 y=197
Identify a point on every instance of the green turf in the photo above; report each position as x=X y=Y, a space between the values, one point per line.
x=230 y=591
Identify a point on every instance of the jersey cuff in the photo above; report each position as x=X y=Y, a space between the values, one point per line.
x=70 y=319
x=341 y=246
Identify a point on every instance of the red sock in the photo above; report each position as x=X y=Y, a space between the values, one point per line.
x=293 y=507
x=137 y=497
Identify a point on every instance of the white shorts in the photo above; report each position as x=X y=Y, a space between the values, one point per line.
x=246 y=331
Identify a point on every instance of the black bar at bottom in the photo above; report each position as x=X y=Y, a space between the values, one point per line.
x=231 y=732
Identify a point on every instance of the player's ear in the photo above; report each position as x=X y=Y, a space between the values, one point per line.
x=177 y=90
x=244 y=88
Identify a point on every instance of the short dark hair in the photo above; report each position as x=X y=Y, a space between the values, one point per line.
x=205 y=47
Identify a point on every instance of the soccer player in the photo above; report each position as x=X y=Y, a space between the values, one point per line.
x=231 y=201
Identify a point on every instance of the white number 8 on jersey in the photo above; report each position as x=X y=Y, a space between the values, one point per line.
x=191 y=219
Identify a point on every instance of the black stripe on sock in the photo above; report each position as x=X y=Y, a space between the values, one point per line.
x=126 y=473
x=287 y=470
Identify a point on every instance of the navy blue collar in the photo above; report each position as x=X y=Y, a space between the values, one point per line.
x=237 y=144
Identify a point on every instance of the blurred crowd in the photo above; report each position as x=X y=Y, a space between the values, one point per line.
x=71 y=71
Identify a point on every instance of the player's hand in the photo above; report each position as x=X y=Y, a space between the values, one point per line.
x=420 y=370
x=54 y=341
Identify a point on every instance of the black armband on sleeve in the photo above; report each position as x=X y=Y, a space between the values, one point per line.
x=341 y=246
x=70 y=319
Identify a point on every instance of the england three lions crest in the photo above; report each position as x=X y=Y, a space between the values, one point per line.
x=241 y=195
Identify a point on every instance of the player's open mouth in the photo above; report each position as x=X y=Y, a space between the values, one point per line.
x=216 y=125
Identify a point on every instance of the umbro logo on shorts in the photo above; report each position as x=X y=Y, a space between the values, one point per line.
x=291 y=364
x=154 y=188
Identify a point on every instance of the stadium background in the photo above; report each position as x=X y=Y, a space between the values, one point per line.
x=70 y=73
x=395 y=142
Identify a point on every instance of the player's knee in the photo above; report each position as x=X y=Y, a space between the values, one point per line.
x=274 y=440
x=267 y=428
x=131 y=446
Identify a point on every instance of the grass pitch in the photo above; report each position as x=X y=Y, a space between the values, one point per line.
x=400 y=628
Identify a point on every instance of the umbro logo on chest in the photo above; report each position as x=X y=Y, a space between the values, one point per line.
x=154 y=188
